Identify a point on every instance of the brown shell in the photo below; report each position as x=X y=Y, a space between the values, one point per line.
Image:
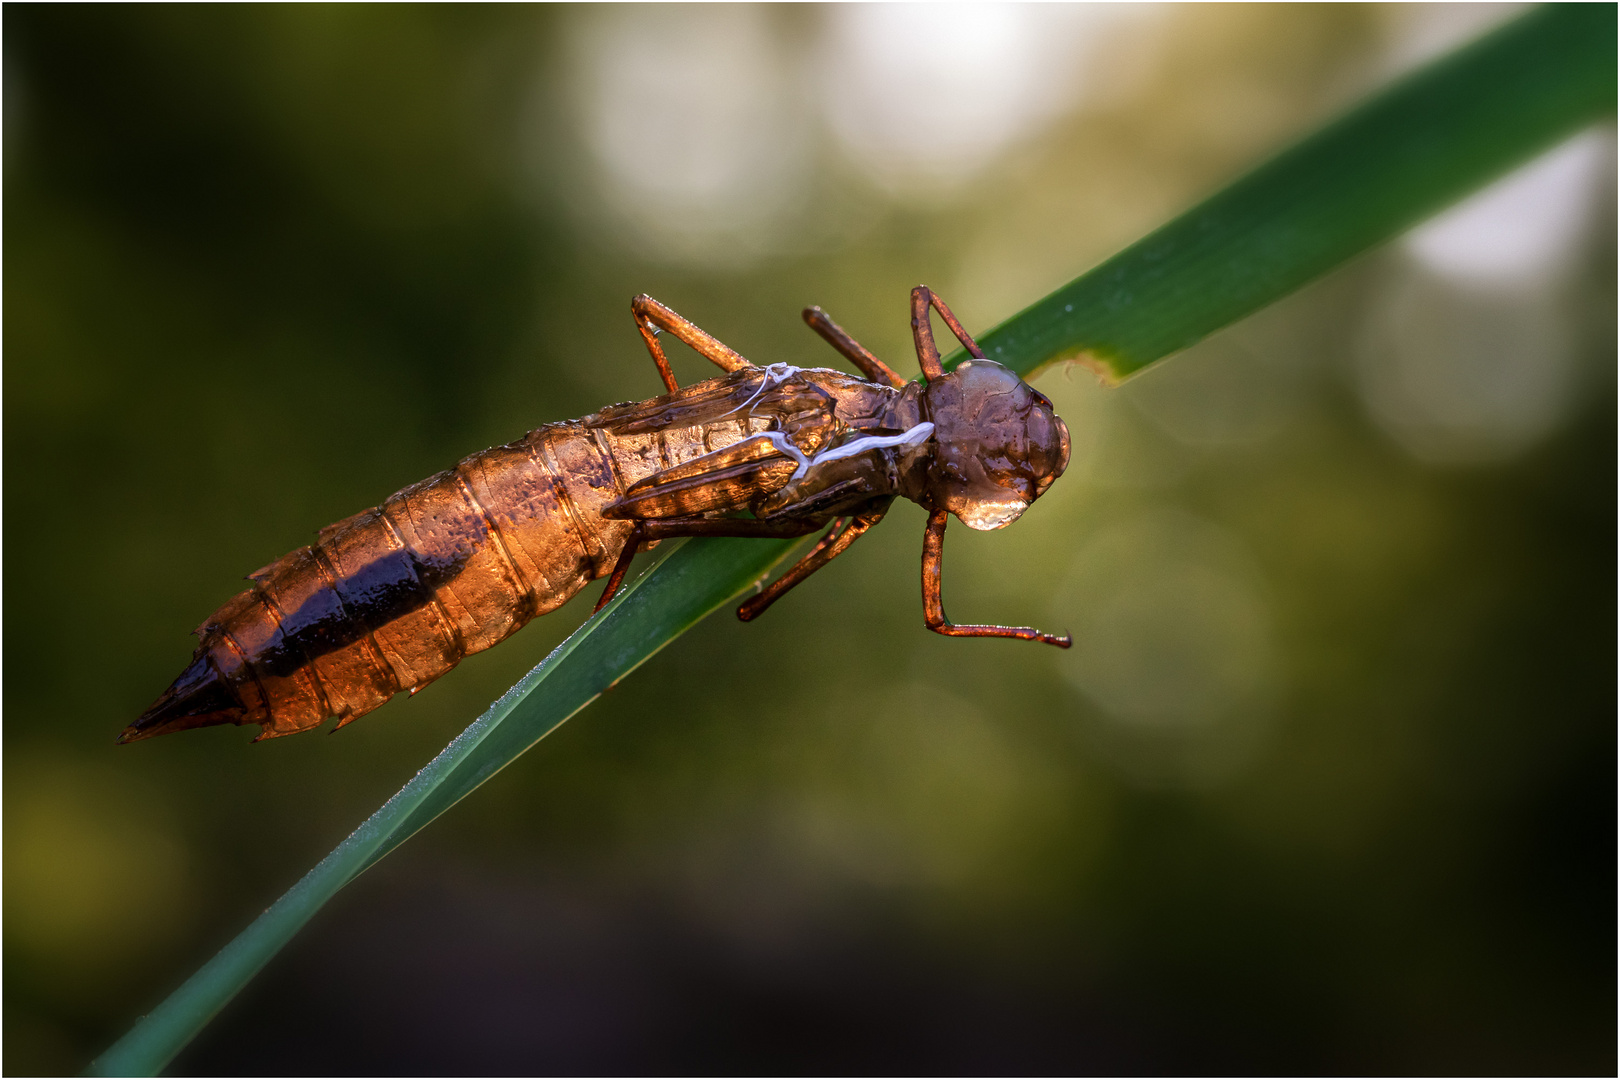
x=395 y=596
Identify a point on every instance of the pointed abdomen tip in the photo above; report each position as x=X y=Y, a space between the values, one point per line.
x=198 y=698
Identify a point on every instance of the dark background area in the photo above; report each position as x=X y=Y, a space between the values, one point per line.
x=1326 y=785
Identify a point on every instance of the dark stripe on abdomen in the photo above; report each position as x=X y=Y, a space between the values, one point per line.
x=363 y=597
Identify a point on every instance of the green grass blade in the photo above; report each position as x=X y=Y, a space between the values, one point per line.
x=1411 y=150
x=689 y=583
x=1421 y=144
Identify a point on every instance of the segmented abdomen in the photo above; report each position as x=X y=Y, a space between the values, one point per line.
x=394 y=597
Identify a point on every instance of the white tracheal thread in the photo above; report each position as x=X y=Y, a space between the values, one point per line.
x=914 y=437
x=775 y=375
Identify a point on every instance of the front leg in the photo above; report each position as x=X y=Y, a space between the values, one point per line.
x=934 y=605
x=922 y=332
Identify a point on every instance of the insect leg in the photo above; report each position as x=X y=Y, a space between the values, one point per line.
x=853 y=351
x=651 y=317
x=845 y=531
x=621 y=567
x=922 y=332
x=671 y=528
x=780 y=528
x=934 y=607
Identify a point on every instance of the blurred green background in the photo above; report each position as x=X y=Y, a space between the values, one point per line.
x=1327 y=783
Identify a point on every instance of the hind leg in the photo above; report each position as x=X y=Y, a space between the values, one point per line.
x=652 y=318
x=844 y=532
x=671 y=528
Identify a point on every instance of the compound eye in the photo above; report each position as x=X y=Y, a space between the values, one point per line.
x=1040 y=434
x=1040 y=427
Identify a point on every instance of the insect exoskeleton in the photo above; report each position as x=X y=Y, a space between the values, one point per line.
x=393 y=597
x=1000 y=444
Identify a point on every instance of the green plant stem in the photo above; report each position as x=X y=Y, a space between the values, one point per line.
x=1400 y=156
x=1418 y=146
x=689 y=582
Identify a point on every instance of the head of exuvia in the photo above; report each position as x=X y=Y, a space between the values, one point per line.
x=997 y=445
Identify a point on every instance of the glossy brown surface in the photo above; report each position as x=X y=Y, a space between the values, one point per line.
x=395 y=596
